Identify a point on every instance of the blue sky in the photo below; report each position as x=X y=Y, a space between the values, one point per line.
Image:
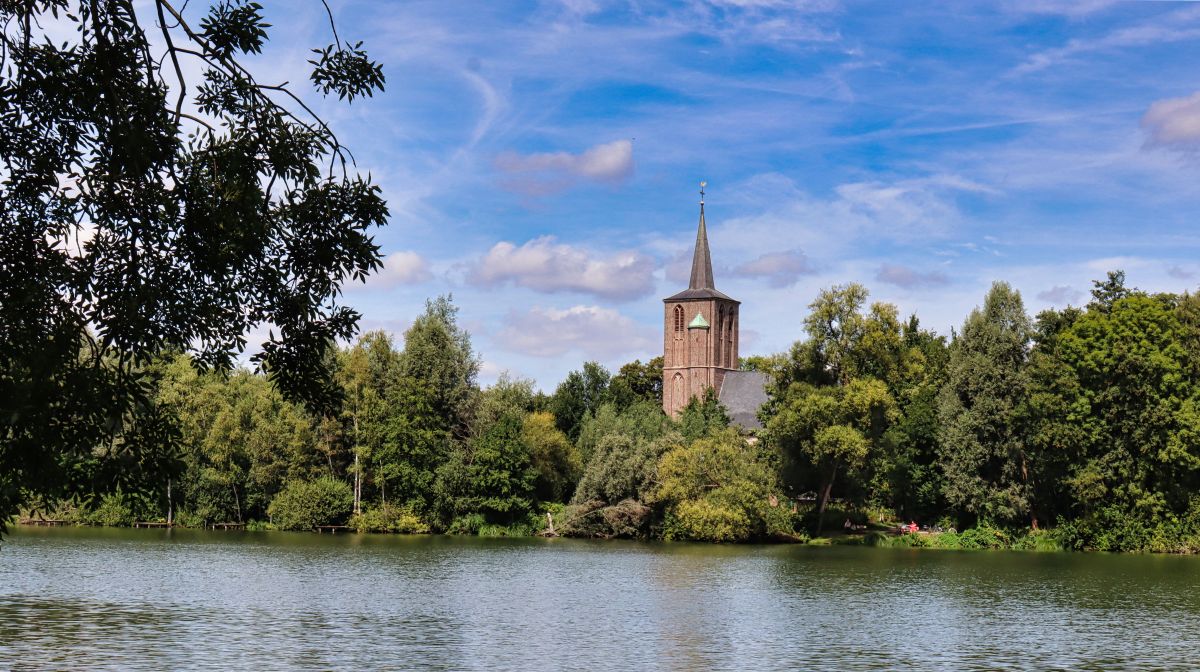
x=541 y=159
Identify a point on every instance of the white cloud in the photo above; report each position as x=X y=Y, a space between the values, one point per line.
x=400 y=268
x=1060 y=294
x=1174 y=122
x=593 y=331
x=542 y=173
x=544 y=266
x=780 y=269
x=907 y=278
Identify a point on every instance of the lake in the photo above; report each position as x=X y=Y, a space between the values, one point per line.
x=91 y=598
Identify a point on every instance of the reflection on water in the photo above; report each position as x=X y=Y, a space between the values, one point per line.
x=152 y=599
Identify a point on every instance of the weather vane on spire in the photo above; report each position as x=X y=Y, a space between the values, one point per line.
x=703 y=184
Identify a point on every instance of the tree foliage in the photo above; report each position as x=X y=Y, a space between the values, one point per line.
x=720 y=489
x=145 y=212
x=982 y=439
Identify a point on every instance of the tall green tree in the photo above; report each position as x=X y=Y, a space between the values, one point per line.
x=146 y=209
x=366 y=371
x=1129 y=385
x=983 y=443
x=578 y=396
x=636 y=382
x=831 y=403
x=438 y=354
x=495 y=477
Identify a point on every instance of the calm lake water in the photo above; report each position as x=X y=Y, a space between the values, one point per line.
x=148 y=599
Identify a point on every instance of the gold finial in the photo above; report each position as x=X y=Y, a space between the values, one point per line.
x=703 y=184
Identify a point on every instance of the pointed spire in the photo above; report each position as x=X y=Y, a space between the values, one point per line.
x=702 y=274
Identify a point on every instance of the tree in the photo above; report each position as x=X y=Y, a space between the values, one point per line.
x=644 y=419
x=833 y=428
x=905 y=475
x=702 y=416
x=366 y=371
x=1107 y=292
x=719 y=489
x=438 y=354
x=983 y=443
x=578 y=396
x=1129 y=420
x=835 y=327
x=636 y=382
x=144 y=212
x=495 y=478
x=831 y=402
x=553 y=456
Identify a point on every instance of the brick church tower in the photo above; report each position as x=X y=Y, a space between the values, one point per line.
x=700 y=332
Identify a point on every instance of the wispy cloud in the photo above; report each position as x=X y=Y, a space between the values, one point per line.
x=546 y=266
x=1172 y=28
x=1180 y=273
x=779 y=269
x=908 y=278
x=542 y=173
x=593 y=332
x=1060 y=294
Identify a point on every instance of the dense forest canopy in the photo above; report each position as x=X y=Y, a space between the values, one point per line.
x=1079 y=428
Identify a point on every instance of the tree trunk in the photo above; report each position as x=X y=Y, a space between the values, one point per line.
x=237 y=503
x=357 y=470
x=825 y=491
x=357 y=483
x=170 y=510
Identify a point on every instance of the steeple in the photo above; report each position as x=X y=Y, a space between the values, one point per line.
x=702 y=274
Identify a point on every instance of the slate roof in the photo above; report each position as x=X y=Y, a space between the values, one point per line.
x=708 y=293
x=702 y=275
x=742 y=394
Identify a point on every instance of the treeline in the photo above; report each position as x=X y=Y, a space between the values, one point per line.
x=1082 y=419
x=417 y=447
x=1079 y=428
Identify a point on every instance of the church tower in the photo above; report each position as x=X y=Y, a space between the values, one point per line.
x=700 y=332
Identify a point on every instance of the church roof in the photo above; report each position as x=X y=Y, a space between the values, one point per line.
x=701 y=285
x=702 y=275
x=698 y=322
x=742 y=394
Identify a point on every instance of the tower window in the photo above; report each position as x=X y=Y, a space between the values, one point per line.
x=679 y=323
x=719 y=341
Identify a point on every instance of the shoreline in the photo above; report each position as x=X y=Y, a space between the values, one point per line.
x=1039 y=541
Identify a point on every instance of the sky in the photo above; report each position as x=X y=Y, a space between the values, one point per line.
x=541 y=160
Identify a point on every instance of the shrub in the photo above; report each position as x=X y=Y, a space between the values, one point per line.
x=303 y=505
x=627 y=519
x=702 y=520
x=519 y=529
x=114 y=511
x=983 y=536
x=1038 y=540
x=389 y=518
x=189 y=519
x=468 y=524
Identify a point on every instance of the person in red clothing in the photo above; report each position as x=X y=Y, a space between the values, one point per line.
x=912 y=526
